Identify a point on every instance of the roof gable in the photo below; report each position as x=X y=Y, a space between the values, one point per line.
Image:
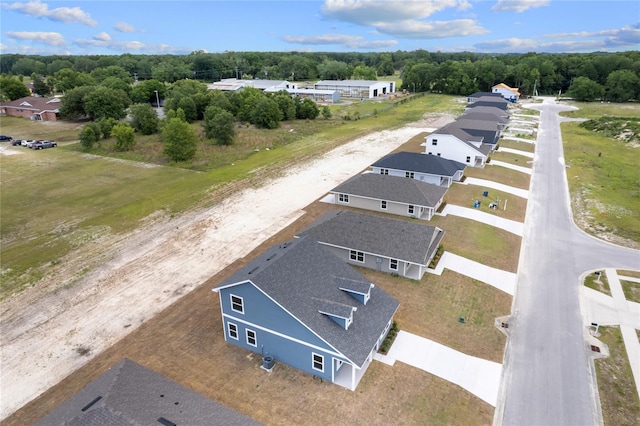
x=300 y=276
x=421 y=163
x=394 y=188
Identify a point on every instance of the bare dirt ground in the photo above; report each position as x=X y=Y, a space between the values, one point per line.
x=95 y=297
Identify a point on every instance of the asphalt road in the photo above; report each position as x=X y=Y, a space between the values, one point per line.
x=549 y=378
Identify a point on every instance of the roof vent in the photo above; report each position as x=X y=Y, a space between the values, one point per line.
x=89 y=405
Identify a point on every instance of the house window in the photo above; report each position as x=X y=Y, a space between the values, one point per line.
x=393 y=264
x=410 y=209
x=232 y=330
x=358 y=256
x=251 y=338
x=434 y=142
x=409 y=174
x=431 y=153
x=383 y=205
x=384 y=171
x=343 y=198
x=468 y=159
x=237 y=304
x=318 y=362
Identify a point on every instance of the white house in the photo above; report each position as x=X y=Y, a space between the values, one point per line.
x=429 y=169
x=509 y=93
x=455 y=144
x=234 y=84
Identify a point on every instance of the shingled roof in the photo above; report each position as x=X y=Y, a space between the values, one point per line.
x=420 y=163
x=392 y=188
x=477 y=114
x=397 y=239
x=304 y=277
x=130 y=394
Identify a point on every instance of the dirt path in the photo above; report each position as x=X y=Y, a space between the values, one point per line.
x=52 y=329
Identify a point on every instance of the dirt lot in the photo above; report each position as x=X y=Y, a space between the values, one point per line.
x=56 y=327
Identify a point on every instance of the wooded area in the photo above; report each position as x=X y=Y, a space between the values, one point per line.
x=612 y=76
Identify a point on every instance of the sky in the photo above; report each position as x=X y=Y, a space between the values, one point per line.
x=56 y=27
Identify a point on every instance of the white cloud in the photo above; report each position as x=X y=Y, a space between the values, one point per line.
x=67 y=15
x=124 y=27
x=431 y=30
x=129 y=46
x=102 y=36
x=518 y=5
x=48 y=38
x=350 y=41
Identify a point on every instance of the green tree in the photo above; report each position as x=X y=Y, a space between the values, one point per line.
x=622 y=85
x=326 y=112
x=103 y=102
x=363 y=72
x=307 y=110
x=102 y=73
x=12 y=88
x=40 y=87
x=180 y=140
x=585 y=89
x=144 y=118
x=286 y=105
x=88 y=137
x=220 y=99
x=219 y=125
x=105 y=126
x=125 y=137
x=145 y=91
x=73 y=103
x=116 y=83
x=331 y=69
x=67 y=79
x=244 y=102
x=188 y=105
x=266 y=114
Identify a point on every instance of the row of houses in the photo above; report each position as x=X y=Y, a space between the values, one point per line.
x=301 y=303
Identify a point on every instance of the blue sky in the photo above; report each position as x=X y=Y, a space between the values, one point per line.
x=179 y=27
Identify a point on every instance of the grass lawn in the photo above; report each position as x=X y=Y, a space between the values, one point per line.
x=625 y=273
x=631 y=290
x=500 y=174
x=521 y=146
x=465 y=195
x=600 y=284
x=55 y=201
x=618 y=394
x=596 y=110
x=515 y=159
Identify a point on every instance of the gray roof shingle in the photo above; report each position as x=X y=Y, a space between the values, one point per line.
x=392 y=188
x=420 y=163
x=477 y=114
x=393 y=238
x=300 y=275
x=130 y=394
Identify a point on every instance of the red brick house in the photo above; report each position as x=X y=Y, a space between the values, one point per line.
x=32 y=107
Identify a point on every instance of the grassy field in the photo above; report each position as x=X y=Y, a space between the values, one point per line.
x=55 y=201
x=603 y=175
x=618 y=395
x=600 y=283
x=522 y=146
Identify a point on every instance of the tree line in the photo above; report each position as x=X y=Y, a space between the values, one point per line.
x=458 y=73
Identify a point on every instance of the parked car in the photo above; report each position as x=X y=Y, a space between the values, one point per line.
x=26 y=142
x=17 y=142
x=30 y=142
x=43 y=144
x=4 y=138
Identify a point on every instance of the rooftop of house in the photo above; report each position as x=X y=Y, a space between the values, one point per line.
x=348 y=82
x=404 y=240
x=35 y=103
x=477 y=114
x=420 y=163
x=304 y=277
x=392 y=188
x=129 y=394
x=487 y=109
x=479 y=94
x=485 y=103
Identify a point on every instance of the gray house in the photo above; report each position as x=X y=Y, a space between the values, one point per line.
x=390 y=194
x=477 y=115
x=425 y=168
x=130 y=394
x=395 y=246
x=300 y=305
x=487 y=130
x=499 y=113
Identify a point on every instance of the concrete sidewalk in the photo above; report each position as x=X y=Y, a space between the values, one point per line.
x=489 y=219
x=522 y=193
x=520 y=169
x=517 y=152
x=617 y=310
x=476 y=375
x=502 y=280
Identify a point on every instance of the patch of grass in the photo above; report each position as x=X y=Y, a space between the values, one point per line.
x=521 y=146
x=618 y=394
x=500 y=174
x=465 y=195
x=599 y=283
x=593 y=110
x=604 y=181
x=624 y=129
x=627 y=273
x=515 y=159
x=631 y=290
x=479 y=242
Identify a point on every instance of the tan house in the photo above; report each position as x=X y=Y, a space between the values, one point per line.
x=32 y=107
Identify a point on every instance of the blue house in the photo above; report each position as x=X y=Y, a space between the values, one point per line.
x=299 y=304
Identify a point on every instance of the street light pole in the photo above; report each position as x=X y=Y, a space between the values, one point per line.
x=157 y=100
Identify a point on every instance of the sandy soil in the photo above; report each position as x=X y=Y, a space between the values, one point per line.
x=76 y=312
